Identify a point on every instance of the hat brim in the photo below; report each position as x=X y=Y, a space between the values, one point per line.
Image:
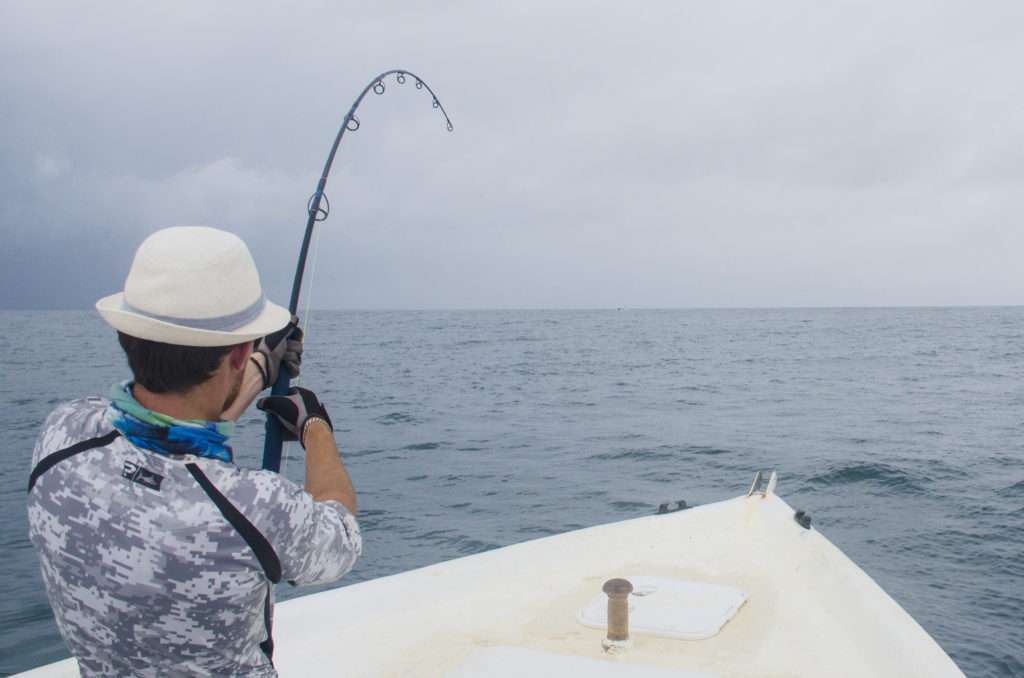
x=113 y=309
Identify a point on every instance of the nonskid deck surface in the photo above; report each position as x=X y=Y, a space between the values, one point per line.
x=809 y=610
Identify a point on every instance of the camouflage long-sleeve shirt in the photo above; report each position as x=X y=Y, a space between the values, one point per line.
x=145 y=573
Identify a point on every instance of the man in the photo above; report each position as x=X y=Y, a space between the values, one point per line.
x=159 y=555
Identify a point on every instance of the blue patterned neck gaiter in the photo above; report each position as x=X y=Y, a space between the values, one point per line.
x=166 y=435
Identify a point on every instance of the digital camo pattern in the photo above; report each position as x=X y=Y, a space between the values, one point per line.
x=155 y=582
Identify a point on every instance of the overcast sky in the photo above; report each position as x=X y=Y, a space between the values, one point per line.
x=655 y=154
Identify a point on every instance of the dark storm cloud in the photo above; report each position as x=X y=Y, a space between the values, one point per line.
x=668 y=154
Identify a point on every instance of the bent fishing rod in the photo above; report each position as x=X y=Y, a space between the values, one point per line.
x=318 y=208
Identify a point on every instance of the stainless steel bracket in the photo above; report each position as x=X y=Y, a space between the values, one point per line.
x=764 y=483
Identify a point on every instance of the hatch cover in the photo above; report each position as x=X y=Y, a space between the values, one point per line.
x=672 y=608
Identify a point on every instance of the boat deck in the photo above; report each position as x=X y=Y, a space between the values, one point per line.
x=810 y=611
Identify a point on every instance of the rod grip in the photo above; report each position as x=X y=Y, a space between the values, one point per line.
x=275 y=439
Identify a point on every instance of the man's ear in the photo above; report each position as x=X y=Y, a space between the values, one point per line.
x=239 y=354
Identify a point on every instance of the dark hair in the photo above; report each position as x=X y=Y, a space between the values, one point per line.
x=168 y=368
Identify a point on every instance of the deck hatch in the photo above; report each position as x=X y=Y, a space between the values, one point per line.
x=671 y=608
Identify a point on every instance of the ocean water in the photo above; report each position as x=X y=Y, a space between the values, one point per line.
x=899 y=430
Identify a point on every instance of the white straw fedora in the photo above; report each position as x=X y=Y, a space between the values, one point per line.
x=193 y=286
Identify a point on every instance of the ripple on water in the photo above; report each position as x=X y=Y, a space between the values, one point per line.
x=536 y=531
x=363 y=453
x=631 y=506
x=1015 y=490
x=467 y=546
x=661 y=452
x=393 y=418
x=701 y=449
x=870 y=474
x=416 y=447
x=625 y=455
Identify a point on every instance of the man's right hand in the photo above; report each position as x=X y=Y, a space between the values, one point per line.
x=283 y=347
x=295 y=411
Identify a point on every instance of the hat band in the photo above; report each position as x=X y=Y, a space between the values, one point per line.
x=223 y=323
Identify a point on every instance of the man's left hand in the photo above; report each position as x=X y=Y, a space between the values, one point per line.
x=283 y=347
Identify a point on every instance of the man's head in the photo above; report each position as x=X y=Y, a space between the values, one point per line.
x=191 y=307
x=167 y=368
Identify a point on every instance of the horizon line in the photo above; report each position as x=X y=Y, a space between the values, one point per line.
x=455 y=309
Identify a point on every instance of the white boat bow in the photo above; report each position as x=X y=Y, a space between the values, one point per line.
x=806 y=609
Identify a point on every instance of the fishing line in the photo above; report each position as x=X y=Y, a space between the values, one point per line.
x=309 y=294
x=318 y=208
x=307 y=314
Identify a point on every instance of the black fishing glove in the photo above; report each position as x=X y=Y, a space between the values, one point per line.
x=281 y=347
x=294 y=411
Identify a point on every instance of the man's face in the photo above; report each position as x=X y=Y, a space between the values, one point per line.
x=236 y=384
x=236 y=387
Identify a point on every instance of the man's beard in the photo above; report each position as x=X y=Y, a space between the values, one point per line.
x=236 y=388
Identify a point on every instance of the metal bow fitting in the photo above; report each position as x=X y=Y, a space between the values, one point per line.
x=318 y=208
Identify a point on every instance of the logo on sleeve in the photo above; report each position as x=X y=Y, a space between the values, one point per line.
x=141 y=475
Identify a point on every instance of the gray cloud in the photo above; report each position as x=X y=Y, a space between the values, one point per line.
x=667 y=154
